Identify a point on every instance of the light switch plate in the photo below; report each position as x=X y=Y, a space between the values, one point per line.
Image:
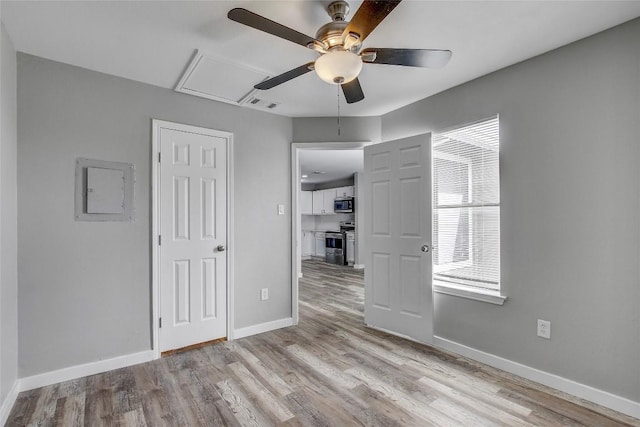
x=281 y=209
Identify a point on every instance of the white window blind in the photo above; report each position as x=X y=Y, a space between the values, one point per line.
x=466 y=207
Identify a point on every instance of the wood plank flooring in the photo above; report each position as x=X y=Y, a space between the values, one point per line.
x=328 y=371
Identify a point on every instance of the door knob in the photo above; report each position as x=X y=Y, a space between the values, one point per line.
x=220 y=248
x=424 y=248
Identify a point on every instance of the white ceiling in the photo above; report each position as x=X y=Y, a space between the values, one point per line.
x=334 y=164
x=154 y=41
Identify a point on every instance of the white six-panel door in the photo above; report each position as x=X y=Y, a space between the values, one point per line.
x=398 y=294
x=193 y=232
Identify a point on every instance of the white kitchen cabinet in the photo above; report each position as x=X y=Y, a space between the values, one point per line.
x=308 y=243
x=320 y=248
x=351 y=248
x=306 y=202
x=344 y=191
x=329 y=197
x=323 y=201
x=318 y=202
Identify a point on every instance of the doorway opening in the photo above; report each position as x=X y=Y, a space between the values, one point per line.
x=337 y=166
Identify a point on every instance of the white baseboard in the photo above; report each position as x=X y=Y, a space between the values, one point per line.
x=262 y=327
x=73 y=372
x=8 y=402
x=582 y=391
x=358 y=266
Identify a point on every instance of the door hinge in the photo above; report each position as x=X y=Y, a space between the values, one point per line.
x=159 y=240
x=160 y=322
x=158 y=157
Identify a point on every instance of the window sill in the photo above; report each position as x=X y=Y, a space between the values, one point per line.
x=464 y=292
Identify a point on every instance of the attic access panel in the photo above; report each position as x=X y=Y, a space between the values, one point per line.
x=221 y=80
x=103 y=190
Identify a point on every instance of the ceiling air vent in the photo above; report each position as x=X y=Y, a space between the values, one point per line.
x=259 y=102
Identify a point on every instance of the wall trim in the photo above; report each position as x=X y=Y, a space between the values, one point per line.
x=263 y=327
x=583 y=391
x=9 y=401
x=79 y=371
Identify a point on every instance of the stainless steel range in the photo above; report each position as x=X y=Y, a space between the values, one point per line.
x=334 y=247
x=335 y=243
x=347 y=226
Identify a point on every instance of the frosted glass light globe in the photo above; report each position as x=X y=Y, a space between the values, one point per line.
x=338 y=67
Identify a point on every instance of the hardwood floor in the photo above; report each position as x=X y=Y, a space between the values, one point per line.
x=328 y=370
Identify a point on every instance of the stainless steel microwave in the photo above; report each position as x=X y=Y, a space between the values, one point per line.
x=343 y=205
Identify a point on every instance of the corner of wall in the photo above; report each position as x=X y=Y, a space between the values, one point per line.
x=8 y=227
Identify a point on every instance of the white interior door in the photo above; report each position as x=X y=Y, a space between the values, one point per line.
x=398 y=295
x=193 y=230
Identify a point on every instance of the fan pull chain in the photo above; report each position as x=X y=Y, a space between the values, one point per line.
x=338 y=86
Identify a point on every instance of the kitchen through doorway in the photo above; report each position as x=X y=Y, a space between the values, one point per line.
x=326 y=189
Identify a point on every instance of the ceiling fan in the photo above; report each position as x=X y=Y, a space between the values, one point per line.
x=339 y=44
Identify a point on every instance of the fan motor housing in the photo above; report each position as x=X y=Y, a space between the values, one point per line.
x=331 y=34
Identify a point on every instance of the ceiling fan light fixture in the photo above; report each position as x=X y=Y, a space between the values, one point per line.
x=339 y=44
x=338 y=67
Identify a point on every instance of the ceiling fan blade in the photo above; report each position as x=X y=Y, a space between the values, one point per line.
x=368 y=16
x=285 y=77
x=261 y=23
x=427 y=58
x=352 y=91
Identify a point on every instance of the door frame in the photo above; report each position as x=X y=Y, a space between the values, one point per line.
x=296 y=221
x=155 y=220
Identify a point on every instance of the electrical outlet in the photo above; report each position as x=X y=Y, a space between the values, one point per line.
x=544 y=329
x=264 y=294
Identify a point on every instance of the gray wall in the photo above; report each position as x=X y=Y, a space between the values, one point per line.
x=570 y=187
x=8 y=219
x=325 y=129
x=85 y=286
